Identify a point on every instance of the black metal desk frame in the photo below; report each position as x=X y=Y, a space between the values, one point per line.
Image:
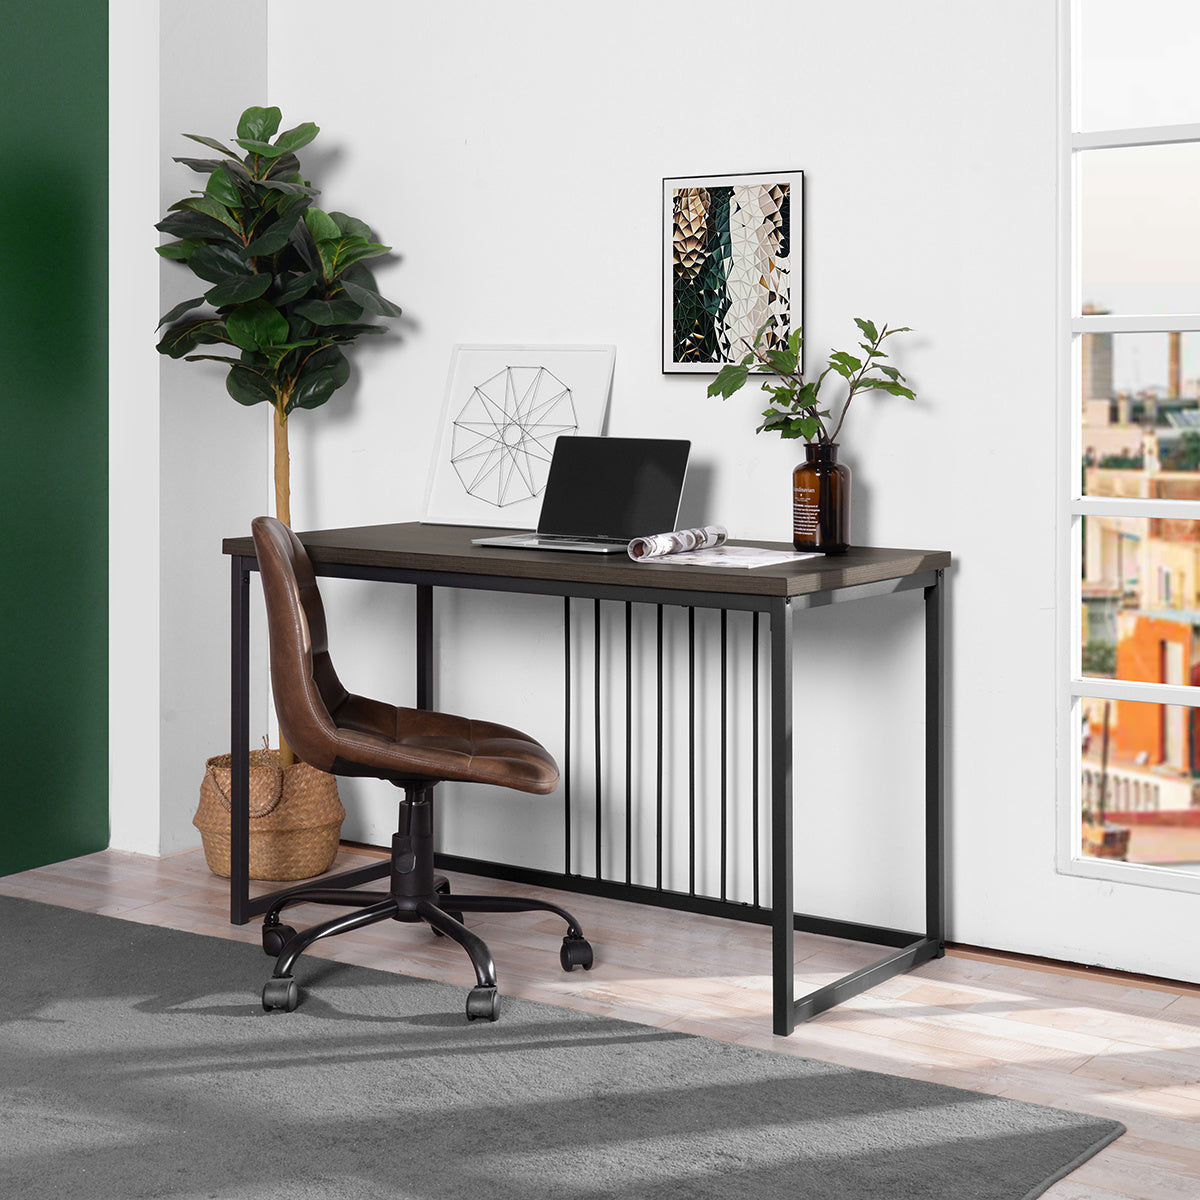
x=907 y=949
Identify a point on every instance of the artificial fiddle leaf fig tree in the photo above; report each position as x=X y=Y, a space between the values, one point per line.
x=288 y=286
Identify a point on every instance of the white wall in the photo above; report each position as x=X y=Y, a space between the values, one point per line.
x=188 y=465
x=513 y=155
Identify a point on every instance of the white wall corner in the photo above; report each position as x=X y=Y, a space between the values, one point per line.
x=133 y=427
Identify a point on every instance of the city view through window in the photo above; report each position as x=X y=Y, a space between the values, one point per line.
x=1135 y=153
x=1141 y=598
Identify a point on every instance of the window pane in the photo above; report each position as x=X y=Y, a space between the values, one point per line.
x=1140 y=594
x=1141 y=414
x=1139 y=208
x=1137 y=63
x=1140 y=783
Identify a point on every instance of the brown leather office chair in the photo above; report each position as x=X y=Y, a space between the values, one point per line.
x=414 y=749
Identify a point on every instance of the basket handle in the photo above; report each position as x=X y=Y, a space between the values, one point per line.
x=268 y=805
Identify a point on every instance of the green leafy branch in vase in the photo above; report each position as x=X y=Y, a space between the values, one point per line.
x=795 y=410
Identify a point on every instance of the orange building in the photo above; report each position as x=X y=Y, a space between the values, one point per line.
x=1154 y=650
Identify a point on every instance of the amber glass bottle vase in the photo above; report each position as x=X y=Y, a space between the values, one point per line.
x=821 y=501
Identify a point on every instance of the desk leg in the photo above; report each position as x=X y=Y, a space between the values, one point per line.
x=935 y=764
x=424 y=646
x=239 y=735
x=782 y=901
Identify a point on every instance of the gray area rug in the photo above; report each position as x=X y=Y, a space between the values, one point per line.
x=137 y=1062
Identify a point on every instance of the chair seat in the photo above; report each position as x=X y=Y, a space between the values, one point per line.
x=374 y=738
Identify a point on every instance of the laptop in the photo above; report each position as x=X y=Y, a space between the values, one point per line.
x=602 y=492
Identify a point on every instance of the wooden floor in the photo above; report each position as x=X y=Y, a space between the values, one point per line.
x=1093 y=1042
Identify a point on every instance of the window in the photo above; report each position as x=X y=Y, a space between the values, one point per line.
x=1130 y=548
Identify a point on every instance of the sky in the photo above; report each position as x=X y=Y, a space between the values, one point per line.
x=1139 y=64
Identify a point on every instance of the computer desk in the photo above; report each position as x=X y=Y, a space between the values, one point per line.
x=437 y=556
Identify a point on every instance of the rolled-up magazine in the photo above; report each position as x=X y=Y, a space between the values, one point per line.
x=677 y=542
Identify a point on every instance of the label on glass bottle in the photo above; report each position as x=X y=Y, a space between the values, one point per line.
x=804 y=511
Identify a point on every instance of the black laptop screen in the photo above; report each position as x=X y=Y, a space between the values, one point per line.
x=613 y=487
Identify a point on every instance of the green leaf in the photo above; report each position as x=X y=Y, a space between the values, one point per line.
x=347 y=333
x=219 y=264
x=890 y=372
x=238 y=291
x=351 y=225
x=262 y=149
x=338 y=253
x=895 y=389
x=180 y=309
x=248 y=386
x=221 y=188
x=868 y=329
x=322 y=375
x=290 y=188
x=370 y=299
x=285 y=166
x=329 y=312
x=767 y=324
x=259 y=123
x=201 y=166
x=206 y=141
x=321 y=225
x=286 y=143
x=209 y=207
x=295 y=286
x=256 y=325
x=730 y=379
x=782 y=362
x=293 y=139
x=845 y=364
x=276 y=235
x=181 y=250
x=192 y=225
x=182 y=339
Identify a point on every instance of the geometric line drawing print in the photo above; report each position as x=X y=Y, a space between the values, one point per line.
x=503 y=436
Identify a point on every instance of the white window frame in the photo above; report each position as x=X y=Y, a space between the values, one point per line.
x=1073 y=686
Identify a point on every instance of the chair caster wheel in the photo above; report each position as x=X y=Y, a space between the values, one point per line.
x=275 y=937
x=483 y=1004
x=575 y=952
x=280 y=993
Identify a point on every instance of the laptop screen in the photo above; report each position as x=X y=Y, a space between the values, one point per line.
x=613 y=487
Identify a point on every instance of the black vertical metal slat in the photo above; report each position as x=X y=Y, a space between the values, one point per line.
x=691 y=751
x=424 y=635
x=566 y=771
x=239 y=733
x=628 y=742
x=724 y=751
x=599 y=793
x=782 y=903
x=658 y=788
x=754 y=750
x=935 y=778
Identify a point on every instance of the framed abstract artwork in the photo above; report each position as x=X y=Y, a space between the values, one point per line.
x=733 y=260
x=505 y=408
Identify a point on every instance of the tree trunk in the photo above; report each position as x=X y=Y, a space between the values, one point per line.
x=283 y=510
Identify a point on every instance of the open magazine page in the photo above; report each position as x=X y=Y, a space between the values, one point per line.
x=705 y=547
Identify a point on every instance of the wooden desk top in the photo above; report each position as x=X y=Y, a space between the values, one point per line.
x=414 y=546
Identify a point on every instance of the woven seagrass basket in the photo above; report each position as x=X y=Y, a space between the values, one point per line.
x=295 y=817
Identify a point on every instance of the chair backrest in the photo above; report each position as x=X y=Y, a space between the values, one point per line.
x=305 y=685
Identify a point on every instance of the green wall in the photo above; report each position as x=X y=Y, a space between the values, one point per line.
x=54 y=436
